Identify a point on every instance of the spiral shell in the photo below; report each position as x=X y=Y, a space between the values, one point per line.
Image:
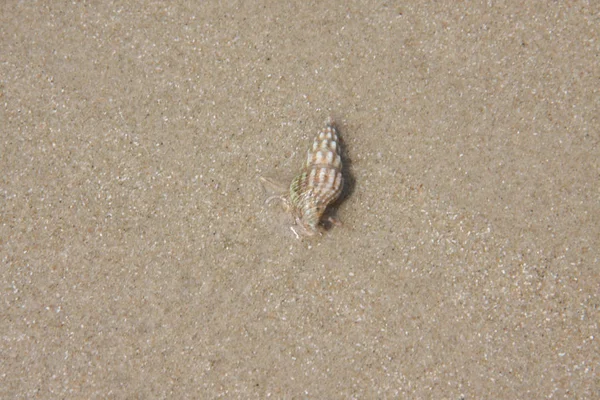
x=319 y=183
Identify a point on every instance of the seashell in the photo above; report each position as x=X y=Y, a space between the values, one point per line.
x=319 y=183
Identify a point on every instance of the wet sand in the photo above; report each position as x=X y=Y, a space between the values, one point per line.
x=139 y=260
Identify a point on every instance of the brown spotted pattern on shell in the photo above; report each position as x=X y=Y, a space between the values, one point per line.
x=319 y=183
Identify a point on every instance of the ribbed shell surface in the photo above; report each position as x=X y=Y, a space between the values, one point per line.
x=320 y=182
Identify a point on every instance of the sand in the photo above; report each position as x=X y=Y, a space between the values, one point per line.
x=138 y=256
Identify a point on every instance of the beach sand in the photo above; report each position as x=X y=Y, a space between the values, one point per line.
x=138 y=256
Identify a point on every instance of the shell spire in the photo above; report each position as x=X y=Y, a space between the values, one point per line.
x=319 y=183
